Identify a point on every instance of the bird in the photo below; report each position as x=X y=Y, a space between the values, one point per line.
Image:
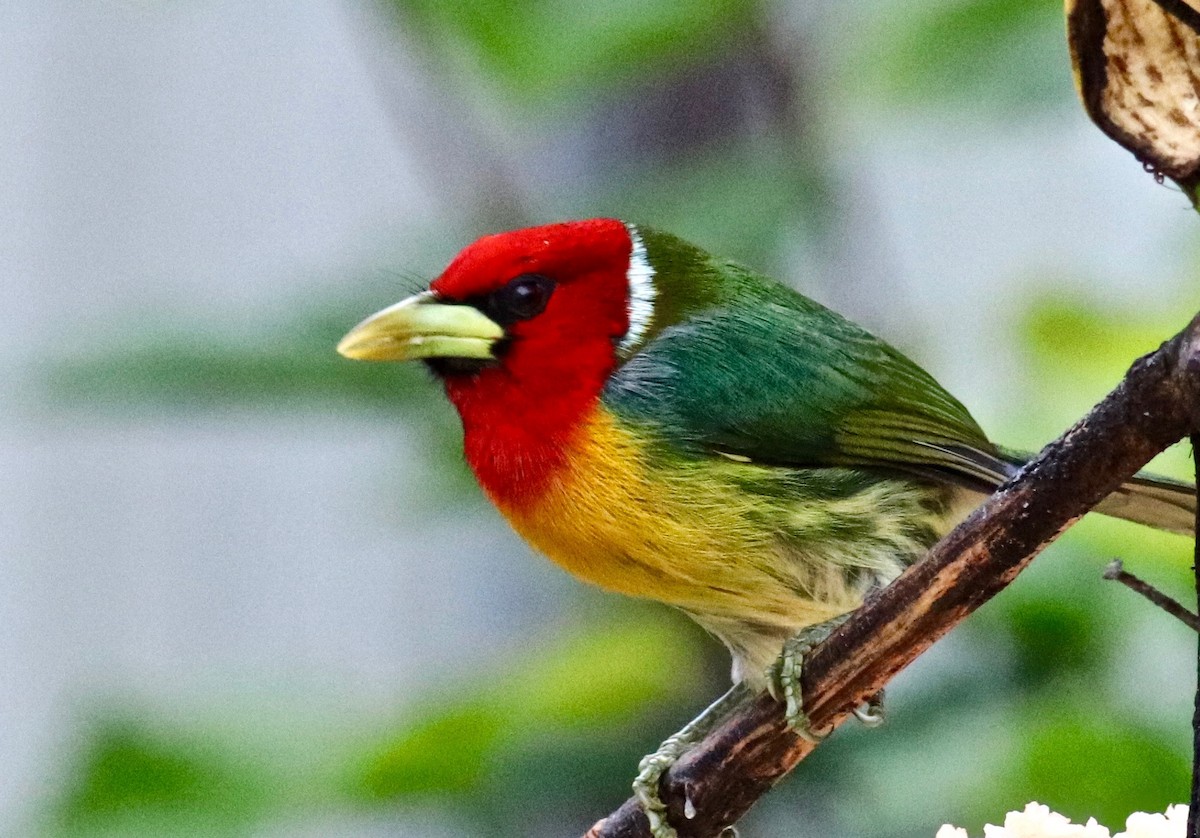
x=673 y=426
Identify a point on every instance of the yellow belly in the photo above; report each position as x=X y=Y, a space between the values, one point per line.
x=691 y=535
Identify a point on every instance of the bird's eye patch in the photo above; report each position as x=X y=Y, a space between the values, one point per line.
x=520 y=299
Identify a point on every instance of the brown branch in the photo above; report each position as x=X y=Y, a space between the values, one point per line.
x=1116 y=572
x=1156 y=404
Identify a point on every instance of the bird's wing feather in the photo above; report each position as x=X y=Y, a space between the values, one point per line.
x=785 y=381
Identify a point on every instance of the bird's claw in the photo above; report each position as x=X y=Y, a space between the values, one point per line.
x=646 y=785
x=783 y=678
x=653 y=766
x=871 y=713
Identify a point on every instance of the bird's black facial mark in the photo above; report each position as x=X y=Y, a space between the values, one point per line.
x=520 y=299
x=456 y=367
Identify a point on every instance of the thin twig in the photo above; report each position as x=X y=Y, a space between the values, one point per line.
x=1116 y=572
x=1156 y=404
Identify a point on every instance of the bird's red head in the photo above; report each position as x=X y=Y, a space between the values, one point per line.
x=560 y=292
x=524 y=328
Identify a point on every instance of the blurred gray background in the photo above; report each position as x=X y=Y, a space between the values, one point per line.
x=224 y=550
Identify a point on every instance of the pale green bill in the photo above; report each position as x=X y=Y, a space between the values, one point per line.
x=422 y=327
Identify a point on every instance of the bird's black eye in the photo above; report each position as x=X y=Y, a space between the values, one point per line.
x=522 y=298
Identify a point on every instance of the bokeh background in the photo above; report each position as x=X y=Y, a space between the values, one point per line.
x=248 y=588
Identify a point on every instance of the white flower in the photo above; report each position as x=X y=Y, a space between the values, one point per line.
x=948 y=831
x=1037 y=821
x=1171 y=825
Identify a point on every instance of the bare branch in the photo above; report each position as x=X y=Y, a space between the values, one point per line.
x=1116 y=572
x=1156 y=404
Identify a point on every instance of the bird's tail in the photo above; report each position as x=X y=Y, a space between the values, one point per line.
x=1148 y=499
x=1154 y=501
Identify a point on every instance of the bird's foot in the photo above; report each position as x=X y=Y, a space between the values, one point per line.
x=783 y=678
x=645 y=784
x=653 y=766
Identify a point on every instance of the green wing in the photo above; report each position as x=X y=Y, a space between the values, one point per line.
x=772 y=376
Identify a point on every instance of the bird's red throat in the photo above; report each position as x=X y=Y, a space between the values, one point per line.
x=519 y=430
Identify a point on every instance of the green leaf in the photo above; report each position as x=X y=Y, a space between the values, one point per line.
x=1055 y=636
x=1091 y=765
x=1074 y=336
x=600 y=675
x=578 y=687
x=445 y=752
x=131 y=768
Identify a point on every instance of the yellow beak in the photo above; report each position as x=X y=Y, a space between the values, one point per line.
x=421 y=327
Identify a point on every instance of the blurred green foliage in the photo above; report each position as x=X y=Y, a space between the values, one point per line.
x=208 y=365
x=492 y=743
x=287 y=364
x=484 y=746
x=138 y=777
x=532 y=49
x=1114 y=769
x=599 y=680
x=749 y=204
x=1082 y=348
x=995 y=56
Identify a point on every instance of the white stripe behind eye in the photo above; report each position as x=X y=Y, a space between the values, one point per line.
x=641 y=294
